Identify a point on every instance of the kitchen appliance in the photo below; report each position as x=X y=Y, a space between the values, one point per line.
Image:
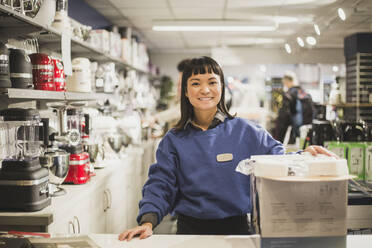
x=42 y=71
x=23 y=182
x=55 y=160
x=80 y=80
x=322 y=130
x=46 y=12
x=353 y=131
x=20 y=68
x=59 y=75
x=4 y=67
x=79 y=170
x=61 y=21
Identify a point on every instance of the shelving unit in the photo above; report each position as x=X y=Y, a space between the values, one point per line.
x=25 y=27
x=31 y=94
x=359 y=87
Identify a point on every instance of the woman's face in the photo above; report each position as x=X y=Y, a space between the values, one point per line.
x=204 y=91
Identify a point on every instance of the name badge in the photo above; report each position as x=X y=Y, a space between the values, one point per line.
x=224 y=157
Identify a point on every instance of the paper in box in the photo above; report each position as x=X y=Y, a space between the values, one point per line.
x=312 y=202
x=293 y=207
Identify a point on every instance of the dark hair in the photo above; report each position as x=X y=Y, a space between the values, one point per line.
x=200 y=65
x=182 y=64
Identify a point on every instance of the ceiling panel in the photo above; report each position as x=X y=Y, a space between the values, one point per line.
x=198 y=13
x=197 y=3
x=142 y=4
x=294 y=18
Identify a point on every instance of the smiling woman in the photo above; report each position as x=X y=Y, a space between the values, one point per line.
x=194 y=175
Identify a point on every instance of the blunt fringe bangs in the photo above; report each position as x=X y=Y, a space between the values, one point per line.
x=196 y=66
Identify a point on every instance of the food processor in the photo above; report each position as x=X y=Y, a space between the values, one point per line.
x=4 y=67
x=23 y=182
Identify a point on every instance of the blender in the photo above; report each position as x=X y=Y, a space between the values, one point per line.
x=23 y=182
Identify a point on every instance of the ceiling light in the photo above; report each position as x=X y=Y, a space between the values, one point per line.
x=263 y=68
x=316 y=28
x=300 y=42
x=341 y=14
x=288 y=48
x=311 y=40
x=335 y=68
x=213 y=25
x=215 y=28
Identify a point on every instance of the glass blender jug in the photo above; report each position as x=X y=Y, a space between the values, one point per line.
x=23 y=182
x=22 y=127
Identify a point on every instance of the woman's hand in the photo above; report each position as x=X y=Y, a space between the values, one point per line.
x=314 y=150
x=145 y=231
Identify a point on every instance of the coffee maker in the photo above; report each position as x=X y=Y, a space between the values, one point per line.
x=23 y=182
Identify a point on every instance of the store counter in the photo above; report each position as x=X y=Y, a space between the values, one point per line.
x=196 y=241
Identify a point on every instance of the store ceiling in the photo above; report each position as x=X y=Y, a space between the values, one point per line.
x=293 y=17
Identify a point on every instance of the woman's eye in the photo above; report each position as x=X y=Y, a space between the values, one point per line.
x=213 y=82
x=194 y=84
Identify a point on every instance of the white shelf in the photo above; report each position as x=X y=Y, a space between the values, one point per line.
x=22 y=26
x=13 y=93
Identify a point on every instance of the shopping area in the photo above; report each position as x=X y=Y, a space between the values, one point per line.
x=89 y=89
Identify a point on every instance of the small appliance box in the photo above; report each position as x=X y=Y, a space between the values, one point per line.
x=300 y=206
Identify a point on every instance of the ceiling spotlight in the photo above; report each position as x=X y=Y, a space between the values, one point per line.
x=263 y=68
x=311 y=40
x=341 y=14
x=335 y=68
x=300 y=42
x=287 y=48
x=316 y=28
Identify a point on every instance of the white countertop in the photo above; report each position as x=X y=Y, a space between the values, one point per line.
x=205 y=241
x=178 y=241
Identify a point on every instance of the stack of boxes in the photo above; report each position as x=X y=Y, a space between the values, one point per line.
x=358 y=155
x=123 y=46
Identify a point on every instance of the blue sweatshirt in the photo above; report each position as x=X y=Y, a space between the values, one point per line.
x=188 y=179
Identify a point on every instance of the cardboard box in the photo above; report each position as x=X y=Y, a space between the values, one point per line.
x=300 y=207
x=356 y=159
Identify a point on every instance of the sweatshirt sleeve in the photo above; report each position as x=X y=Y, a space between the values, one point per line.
x=160 y=190
x=266 y=144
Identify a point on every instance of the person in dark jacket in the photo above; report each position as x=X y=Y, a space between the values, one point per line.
x=291 y=112
x=194 y=175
